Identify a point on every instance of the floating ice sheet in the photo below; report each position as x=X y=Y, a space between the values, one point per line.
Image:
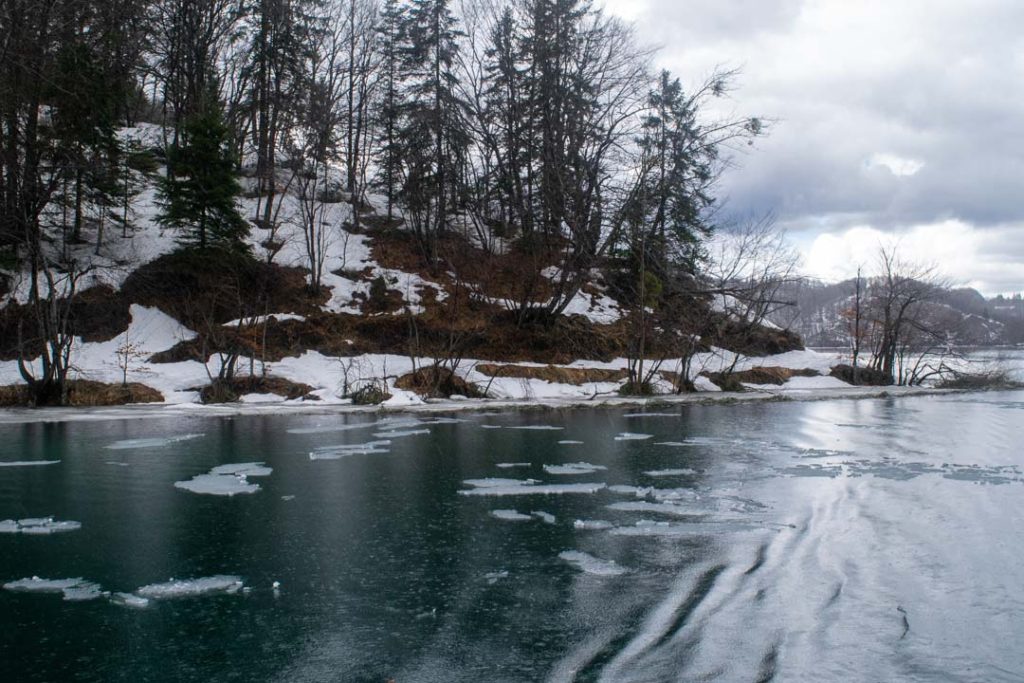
x=226 y=480
x=344 y=450
x=184 y=588
x=659 y=508
x=37 y=526
x=129 y=600
x=155 y=442
x=545 y=517
x=592 y=524
x=495 y=577
x=510 y=516
x=541 y=489
x=638 y=491
x=632 y=436
x=76 y=589
x=539 y=428
x=327 y=429
x=683 y=471
x=492 y=482
x=570 y=442
x=651 y=415
x=573 y=468
x=592 y=565
x=510 y=465
x=646 y=527
x=27 y=463
x=397 y=433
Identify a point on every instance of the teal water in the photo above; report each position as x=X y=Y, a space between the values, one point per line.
x=833 y=541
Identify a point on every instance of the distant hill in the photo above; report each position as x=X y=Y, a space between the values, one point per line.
x=974 y=320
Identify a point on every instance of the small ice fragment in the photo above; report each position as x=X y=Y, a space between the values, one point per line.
x=543 y=489
x=660 y=508
x=628 y=415
x=510 y=516
x=344 y=450
x=191 y=587
x=275 y=585
x=394 y=434
x=243 y=469
x=37 y=526
x=9 y=526
x=38 y=585
x=86 y=590
x=490 y=427
x=492 y=482
x=592 y=524
x=509 y=465
x=670 y=473
x=156 y=442
x=118 y=464
x=570 y=442
x=129 y=600
x=545 y=517
x=539 y=428
x=331 y=428
x=632 y=436
x=217 y=485
x=495 y=577
x=592 y=565
x=27 y=463
x=288 y=497
x=574 y=468
x=638 y=491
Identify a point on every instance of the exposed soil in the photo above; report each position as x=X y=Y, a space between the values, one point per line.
x=734 y=381
x=437 y=382
x=86 y=393
x=555 y=374
x=864 y=376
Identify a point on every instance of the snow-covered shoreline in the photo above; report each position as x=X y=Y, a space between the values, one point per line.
x=143 y=411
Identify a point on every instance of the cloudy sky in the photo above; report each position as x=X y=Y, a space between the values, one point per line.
x=896 y=120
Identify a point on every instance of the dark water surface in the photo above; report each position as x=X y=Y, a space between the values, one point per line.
x=872 y=540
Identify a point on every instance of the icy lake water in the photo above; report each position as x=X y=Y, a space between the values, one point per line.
x=836 y=540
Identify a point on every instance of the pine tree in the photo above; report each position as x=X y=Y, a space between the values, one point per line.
x=389 y=37
x=199 y=199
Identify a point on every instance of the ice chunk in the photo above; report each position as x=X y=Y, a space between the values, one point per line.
x=490 y=426
x=394 y=434
x=570 y=442
x=543 y=489
x=627 y=415
x=545 y=517
x=344 y=450
x=492 y=482
x=243 y=469
x=327 y=429
x=647 y=506
x=76 y=589
x=632 y=436
x=510 y=516
x=540 y=428
x=509 y=465
x=185 y=588
x=574 y=468
x=226 y=480
x=592 y=565
x=37 y=525
x=129 y=600
x=646 y=527
x=495 y=577
x=156 y=442
x=670 y=473
x=592 y=524
x=638 y=491
x=27 y=463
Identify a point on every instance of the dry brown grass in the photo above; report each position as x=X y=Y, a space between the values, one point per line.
x=86 y=393
x=554 y=373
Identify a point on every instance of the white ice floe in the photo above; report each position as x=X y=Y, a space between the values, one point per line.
x=573 y=468
x=495 y=577
x=545 y=517
x=492 y=482
x=510 y=516
x=184 y=588
x=542 y=489
x=592 y=565
x=627 y=415
x=326 y=429
x=394 y=434
x=660 y=508
x=632 y=436
x=77 y=589
x=647 y=527
x=570 y=442
x=670 y=472
x=37 y=526
x=129 y=600
x=510 y=465
x=490 y=427
x=638 y=491
x=539 y=428
x=27 y=463
x=226 y=480
x=155 y=442
x=345 y=450
x=592 y=524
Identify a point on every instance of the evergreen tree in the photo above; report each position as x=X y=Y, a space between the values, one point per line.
x=199 y=199
x=389 y=37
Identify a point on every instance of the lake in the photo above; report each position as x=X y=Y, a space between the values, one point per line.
x=837 y=540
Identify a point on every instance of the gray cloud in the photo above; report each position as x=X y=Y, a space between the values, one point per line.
x=935 y=82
